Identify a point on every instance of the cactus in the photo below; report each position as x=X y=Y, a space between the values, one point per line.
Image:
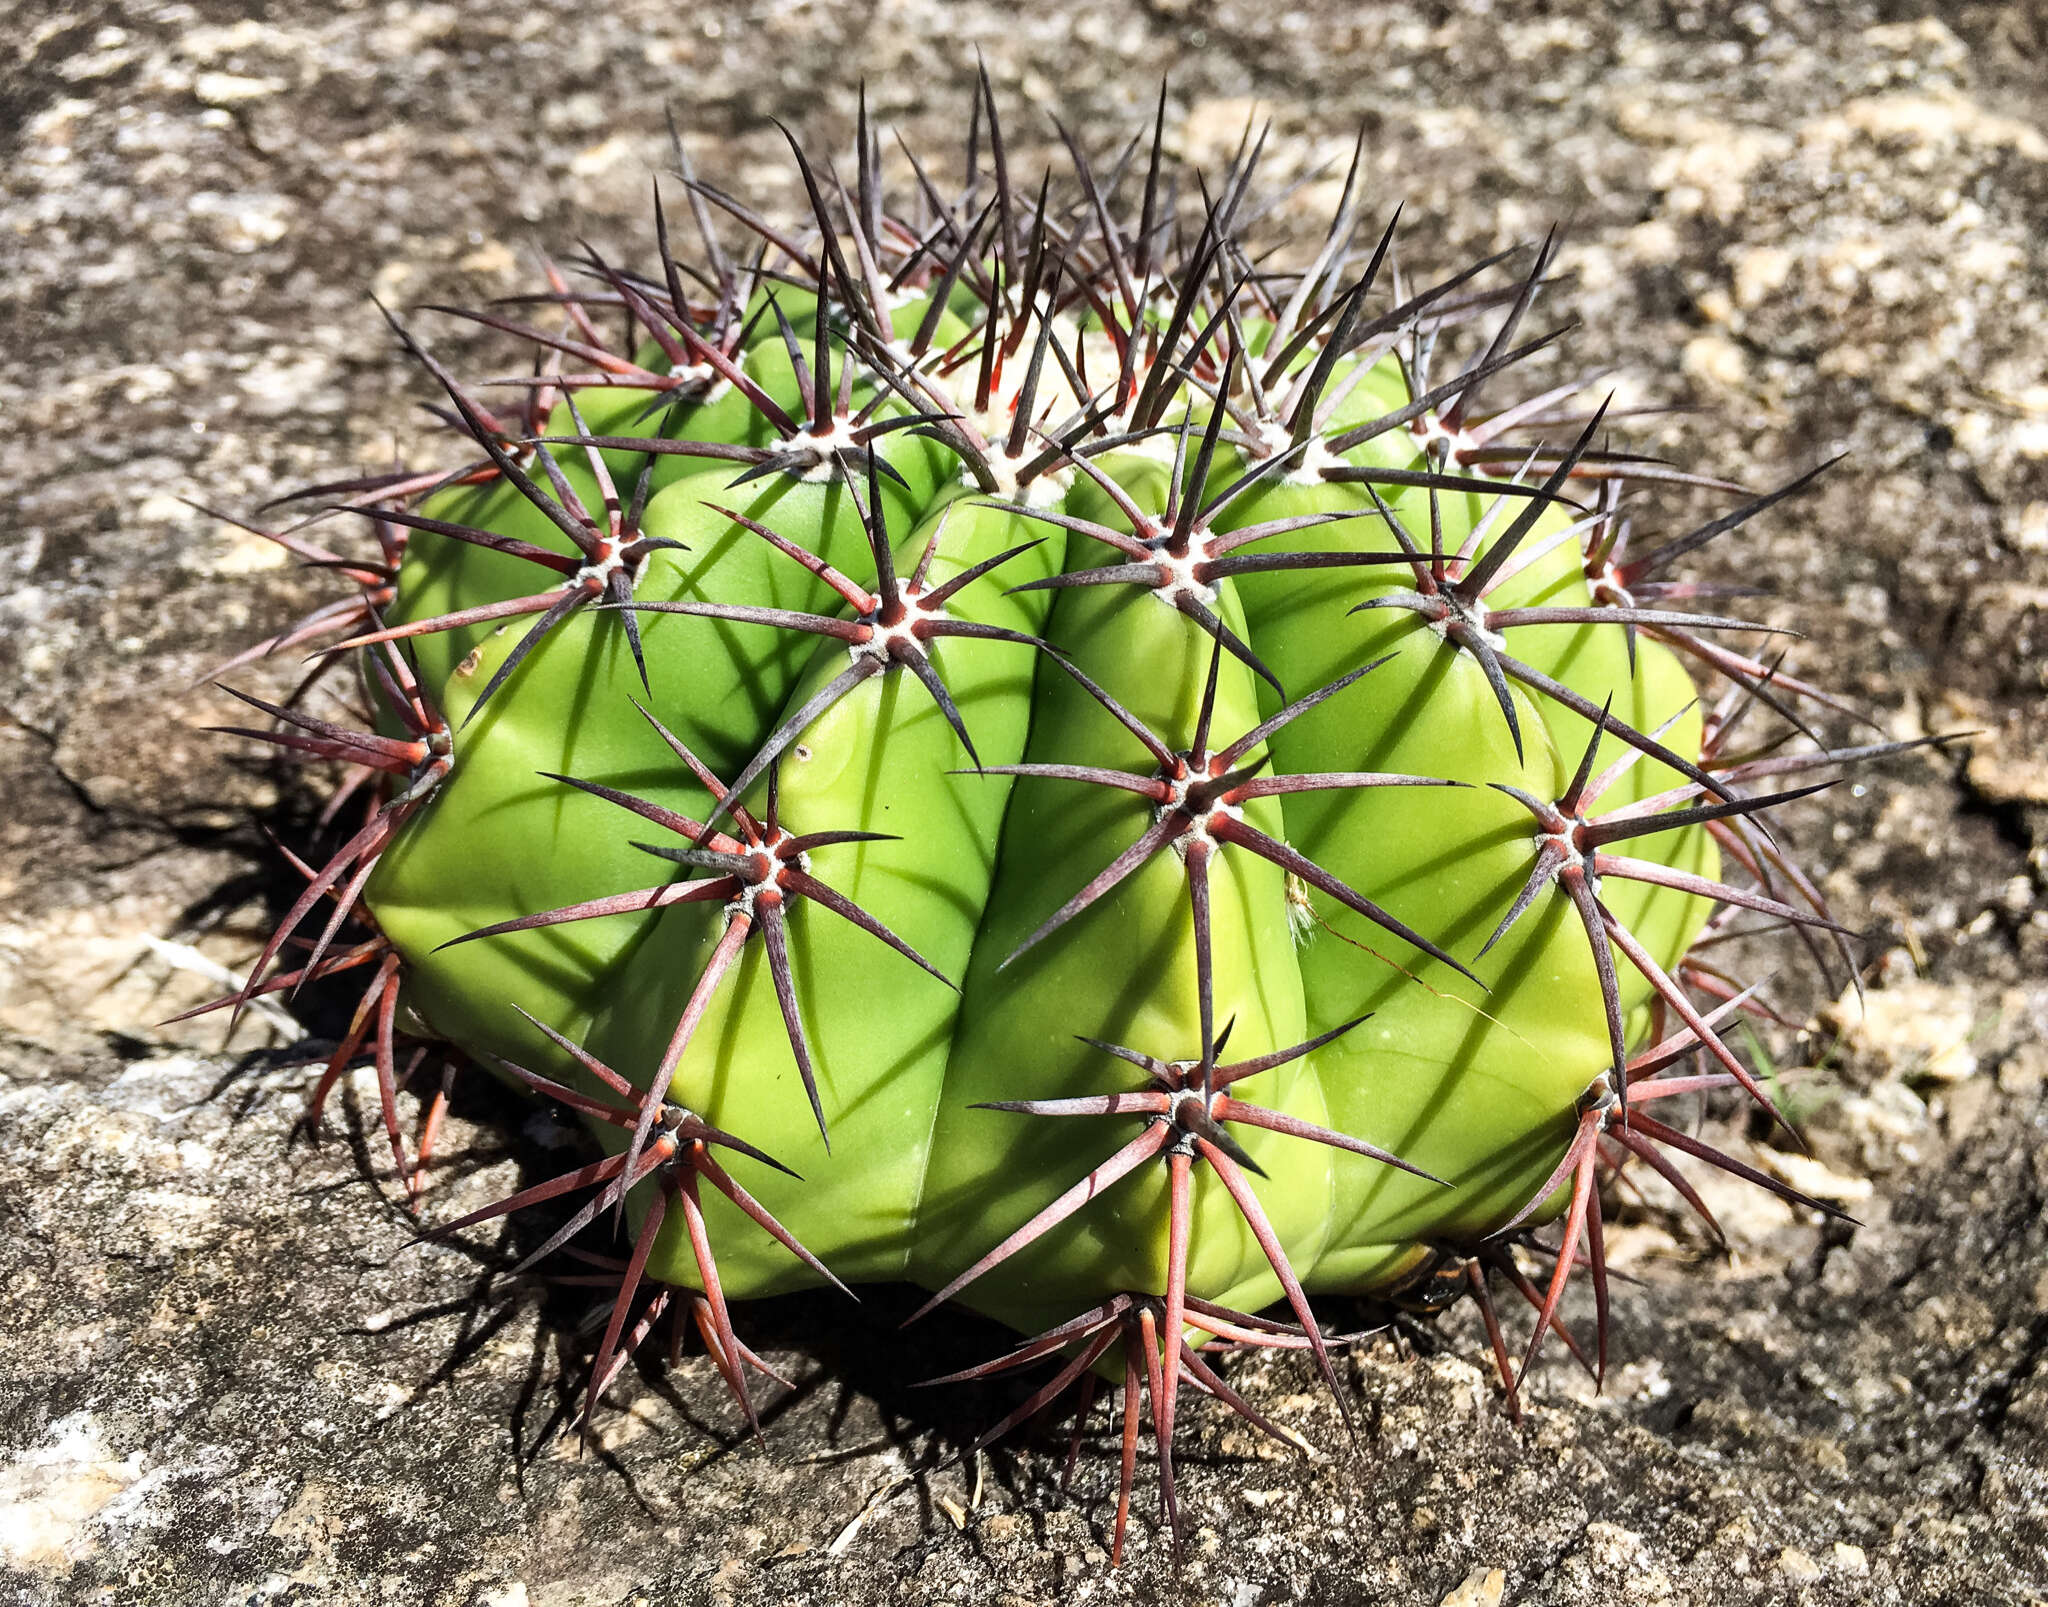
x=1075 y=768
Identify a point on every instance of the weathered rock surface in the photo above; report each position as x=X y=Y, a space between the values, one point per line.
x=225 y=1376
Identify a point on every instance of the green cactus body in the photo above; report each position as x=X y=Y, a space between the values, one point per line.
x=1221 y=767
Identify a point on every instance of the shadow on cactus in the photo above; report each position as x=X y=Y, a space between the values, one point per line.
x=997 y=737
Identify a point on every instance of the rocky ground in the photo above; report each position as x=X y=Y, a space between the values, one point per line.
x=225 y=1377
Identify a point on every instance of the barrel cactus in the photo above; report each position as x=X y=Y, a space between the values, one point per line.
x=1008 y=741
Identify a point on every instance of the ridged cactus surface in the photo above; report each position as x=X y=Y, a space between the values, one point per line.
x=1009 y=740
